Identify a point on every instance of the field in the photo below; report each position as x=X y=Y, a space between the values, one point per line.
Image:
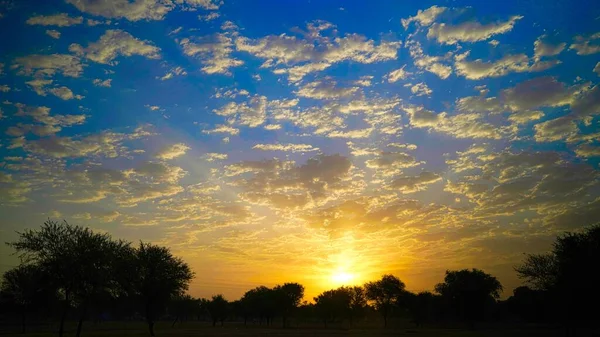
x=164 y=329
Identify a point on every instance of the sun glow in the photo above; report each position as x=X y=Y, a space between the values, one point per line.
x=342 y=278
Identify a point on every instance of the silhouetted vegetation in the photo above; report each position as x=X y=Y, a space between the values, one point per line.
x=70 y=274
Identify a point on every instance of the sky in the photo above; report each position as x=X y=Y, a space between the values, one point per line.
x=320 y=142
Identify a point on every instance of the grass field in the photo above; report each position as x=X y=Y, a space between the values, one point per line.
x=164 y=329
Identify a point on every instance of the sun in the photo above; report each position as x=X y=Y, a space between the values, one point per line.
x=342 y=278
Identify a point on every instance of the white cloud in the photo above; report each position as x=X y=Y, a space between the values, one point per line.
x=299 y=57
x=60 y=20
x=587 y=150
x=4 y=88
x=478 y=69
x=100 y=83
x=210 y=157
x=214 y=52
x=541 y=48
x=223 y=129
x=64 y=93
x=427 y=62
x=424 y=17
x=464 y=125
x=209 y=17
x=556 y=129
x=48 y=65
x=172 y=151
x=115 y=43
x=597 y=69
x=586 y=45
x=470 y=31
x=55 y=34
x=325 y=89
x=421 y=89
x=285 y=147
x=251 y=113
x=176 y=71
x=398 y=74
x=39 y=85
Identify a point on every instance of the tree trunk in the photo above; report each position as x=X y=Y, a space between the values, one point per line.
x=81 y=318
x=384 y=321
x=175 y=321
x=63 y=317
x=151 y=327
x=23 y=321
x=283 y=321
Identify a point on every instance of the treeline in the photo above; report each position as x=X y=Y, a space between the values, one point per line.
x=71 y=273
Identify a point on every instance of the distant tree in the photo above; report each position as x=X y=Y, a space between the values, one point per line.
x=78 y=260
x=25 y=287
x=218 y=308
x=468 y=292
x=158 y=277
x=287 y=299
x=261 y=303
x=422 y=306
x=181 y=307
x=358 y=303
x=385 y=293
x=568 y=274
x=333 y=304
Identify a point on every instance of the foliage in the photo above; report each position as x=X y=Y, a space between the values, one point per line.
x=385 y=294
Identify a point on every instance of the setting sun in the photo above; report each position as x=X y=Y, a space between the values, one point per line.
x=342 y=278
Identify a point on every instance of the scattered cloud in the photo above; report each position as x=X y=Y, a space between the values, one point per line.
x=214 y=52
x=470 y=31
x=55 y=34
x=286 y=147
x=172 y=151
x=586 y=45
x=60 y=20
x=115 y=43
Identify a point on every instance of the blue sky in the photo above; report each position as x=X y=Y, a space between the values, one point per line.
x=271 y=141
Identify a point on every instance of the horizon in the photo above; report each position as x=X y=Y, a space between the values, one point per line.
x=294 y=142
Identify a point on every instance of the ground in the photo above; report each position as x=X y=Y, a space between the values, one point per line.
x=164 y=329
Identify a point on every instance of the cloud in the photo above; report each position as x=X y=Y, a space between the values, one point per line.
x=465 y=125
x=39 y=86
x=396 y=75
x=210 y=157
x=479 y=69
x=427 y=62
x=299 y=57
x=209 y=17
x=421 y=89
x=102 y=83
x=470 y=31
x=176 y=71
x=389 y=163
x=55 y=34
x=115 y=43
x=424 y=17
x=4 y=88
x=325 y=89
x=60 y=20
x=286 y=147
x=411 y=184
x=48 y=65
x=597 y=69
x=542 y=49
x=586 y=45
x=587 y=150
x=251 y=113
x=539 y=92
x=64 y=93
x=555 y=129
x=214 y=52
x=133 y=11
x=172 y=151
x=223 y=129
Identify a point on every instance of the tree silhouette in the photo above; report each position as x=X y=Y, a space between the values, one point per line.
x=77 y=259
x=568 y=274
x=468 y=292
x=333 y=304
x=159 y=276
x=287 y=298
x=26 y=287
x=358 y=303
x=385 y=293
x=218 y=308
x=422 y=306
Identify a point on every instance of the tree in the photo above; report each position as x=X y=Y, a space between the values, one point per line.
x=333 y=304
x=287 y=298
x=568 y=274
x=468 y=292
x=26 y=287
x=358 y=303
x=157 y=277
x=218 y=308
x=385 y=293
x=422 y=306
x=78 y=260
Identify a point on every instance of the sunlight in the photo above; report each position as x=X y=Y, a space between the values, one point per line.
x=342 y=278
